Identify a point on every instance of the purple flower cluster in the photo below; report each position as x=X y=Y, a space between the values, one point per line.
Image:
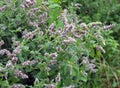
x=69 y=40
x=52 y=29
x=64 y=18
x=5 y=51
x=29 y=35
x=26 y=63
x=43 y=17
x=69 y=29
x=13 y=55
x=100 y=48
x=9 y=64
x=17 y=50
x=20 y=74
x=53 y=57
x=88 y=65
x=14 y=59
x=34 y=24
x=32 y=12
x=28 y=3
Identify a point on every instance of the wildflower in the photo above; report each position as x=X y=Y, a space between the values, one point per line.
x=46 y=54
x=29 y=35
x=28 y=3
x=78 y=34
x=14 y=59
x=94 y=24
x=26 y=63
x=108 y=26
x=9 y=64
x=85 y=60
x=85 y=73
x=59 y=49
x=19 y=73
x=52 y=27
x=5 y=51
x=22 y=6
x=47 y=69
x=24 y=32
x=58 y=78
x=2 y=52
x=52 y=62
x=32 y=11
x=41 y=33
x=69 y=40
x=70 y=27
x=83 y=25
x=100 y=37
x=43 y=17
x=50 y=86
x=34 y=24
x=100 y=48
x=17 y=50
x=28 y=0
x=3 y=8
x=53 y=55
x=64 y=18
x=17 y=86
x=60 y=32
x=8 y=53
x=89 y=66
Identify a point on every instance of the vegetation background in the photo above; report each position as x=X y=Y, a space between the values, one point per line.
x=59 y=44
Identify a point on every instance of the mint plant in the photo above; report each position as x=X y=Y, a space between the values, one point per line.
x=40 y=50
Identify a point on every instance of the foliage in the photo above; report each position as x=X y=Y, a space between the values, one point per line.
x=43 y=46
x=105 y=11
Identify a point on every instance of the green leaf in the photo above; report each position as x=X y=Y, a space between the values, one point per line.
x=54 y=6
x=4 y=84
x=82 y=78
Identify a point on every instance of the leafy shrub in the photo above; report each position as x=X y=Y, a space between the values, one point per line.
x=39 y=50
x=105 y=11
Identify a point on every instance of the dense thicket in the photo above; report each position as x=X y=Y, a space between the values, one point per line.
x=59 y=44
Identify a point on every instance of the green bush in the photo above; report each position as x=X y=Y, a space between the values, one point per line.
x=105 y=11
x=44 y=48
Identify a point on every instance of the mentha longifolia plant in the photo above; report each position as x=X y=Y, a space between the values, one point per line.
x=33 y=54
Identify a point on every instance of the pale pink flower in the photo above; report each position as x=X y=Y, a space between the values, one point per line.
x=20 y=74
x=26 y=63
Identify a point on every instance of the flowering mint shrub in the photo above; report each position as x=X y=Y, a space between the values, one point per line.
x=37 y=55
